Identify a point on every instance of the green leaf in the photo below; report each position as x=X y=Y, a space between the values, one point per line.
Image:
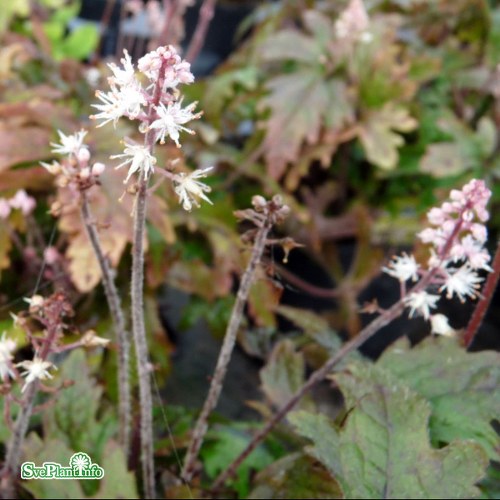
x=283 y=374
x=10 y=9
x=229 y=443
x=463 y=388
x=73 y=415
x=118 y=481
x=50 y=450
x=81 y=42
x=378 y=138
x=383 y=448
x=385 y=441
x=322 y=432
x=295 y=476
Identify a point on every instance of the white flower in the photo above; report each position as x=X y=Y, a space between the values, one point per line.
x=127 y=101
x=7 y=347
x=188 y=189
x=70 y=144
x=403 y=268
x=35 y=369
x=139 y=158
x=440 y=325
x=171 y=119
x=463 y=281
x=123 y=76
x=420 y=303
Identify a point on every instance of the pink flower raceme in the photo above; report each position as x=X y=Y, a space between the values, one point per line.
x=457 y=235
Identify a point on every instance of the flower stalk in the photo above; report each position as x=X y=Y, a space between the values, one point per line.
x=113 y=299
x=270 y=209
x=457 y=238
x=49 y=312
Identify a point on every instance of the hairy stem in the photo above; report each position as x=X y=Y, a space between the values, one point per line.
x=118 y=319
x=141 y=346
x=485 y=300
x=10 y=470
x=384 y=319
x=144 y=366
x=225 y=353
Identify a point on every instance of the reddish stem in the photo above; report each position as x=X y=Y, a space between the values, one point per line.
x=206 y=14
x=484 y=302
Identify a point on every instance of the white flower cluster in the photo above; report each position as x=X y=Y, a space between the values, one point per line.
x=75 y=170
x=457 y=236
x=158 y=107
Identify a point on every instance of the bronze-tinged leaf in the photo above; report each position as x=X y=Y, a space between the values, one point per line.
x=442 y=159
x=112 y=213
x=290 y=44
x=300 y=104
x=264 y=296
x=295 y=476
x=378 y=136
x=22 y=144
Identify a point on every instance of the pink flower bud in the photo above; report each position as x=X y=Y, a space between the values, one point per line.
x=98 y=168
x=51 y=255
x=83 y=156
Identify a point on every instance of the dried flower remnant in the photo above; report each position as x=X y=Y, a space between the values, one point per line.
x=265 y=214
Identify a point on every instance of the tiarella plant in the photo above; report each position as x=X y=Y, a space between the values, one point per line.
x=150 y=96
x=457 y=252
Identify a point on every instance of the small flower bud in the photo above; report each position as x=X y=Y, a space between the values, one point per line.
x=90 y=339
x=259 y=203
x=36 y=303
x=51 y=255
x=83 y=156
x=98 y=168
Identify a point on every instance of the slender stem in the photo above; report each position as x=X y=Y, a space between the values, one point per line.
x=384 y=319
x=10 y=469
x=137 y=294
x=225 y=353
x=14 y=449
x=122 y=337
x=485 y=300
x=206 y=14
x=141 y=347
